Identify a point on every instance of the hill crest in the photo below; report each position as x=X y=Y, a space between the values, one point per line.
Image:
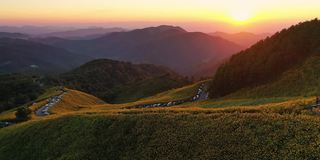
x=113 y=80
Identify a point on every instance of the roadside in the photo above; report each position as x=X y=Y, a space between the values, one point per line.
x=51 y=102
x=201 y=95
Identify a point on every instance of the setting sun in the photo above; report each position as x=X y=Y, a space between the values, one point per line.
x=241 y=17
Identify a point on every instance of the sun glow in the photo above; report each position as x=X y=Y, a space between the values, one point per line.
x=241 y=17
x=208 y=15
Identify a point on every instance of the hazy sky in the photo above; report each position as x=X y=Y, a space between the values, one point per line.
x=202 y=15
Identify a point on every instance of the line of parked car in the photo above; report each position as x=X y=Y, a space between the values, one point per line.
x=43 y=111
x=200 y=93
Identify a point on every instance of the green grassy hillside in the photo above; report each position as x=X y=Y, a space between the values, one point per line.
x=83 y=128
x=148 y=87
x=164 y=135
x=9 y=115
x=170 y=95
x=74 y=100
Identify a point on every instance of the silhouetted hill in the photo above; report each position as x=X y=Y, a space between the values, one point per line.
x=208 y=69
x=245 y=39
x=269 y=59
x=18 y=55
x=170 y=46
x=114 y=81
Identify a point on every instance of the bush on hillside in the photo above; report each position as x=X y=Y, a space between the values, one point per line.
x=23 y=113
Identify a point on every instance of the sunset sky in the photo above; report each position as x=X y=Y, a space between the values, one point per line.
x=194 y=15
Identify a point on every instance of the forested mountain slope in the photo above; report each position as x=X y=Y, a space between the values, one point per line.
x=116 y=81
x=266 y=61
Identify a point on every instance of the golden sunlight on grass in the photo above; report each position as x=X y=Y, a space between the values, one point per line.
x=75 y=100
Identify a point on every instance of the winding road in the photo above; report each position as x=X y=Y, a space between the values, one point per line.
x=51 y=102
x=201 y=95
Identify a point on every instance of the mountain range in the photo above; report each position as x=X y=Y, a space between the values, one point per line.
x=33 y=30
x=13 y=35
x=19 y=55
x=169 y=46
x=188 y=53
x=245 y=39
x=85 y=33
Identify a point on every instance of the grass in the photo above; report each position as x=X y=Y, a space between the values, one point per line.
x=72 y=101
x=164 y=135
x=75 y=100
x=9 y=115
x=171 y=95
x=53 y=91
x=84 y=128
x=221 y=103
x=148 y=87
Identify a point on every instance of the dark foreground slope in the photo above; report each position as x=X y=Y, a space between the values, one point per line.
x=117 y=82
x=164 y=136
x=266 y=61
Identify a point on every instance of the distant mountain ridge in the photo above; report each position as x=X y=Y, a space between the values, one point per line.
x=13 y=35
x=169 y=46
x=33 y=30
x=245 y=39
x=275 y=60
x=85 y=33
x=20 y=55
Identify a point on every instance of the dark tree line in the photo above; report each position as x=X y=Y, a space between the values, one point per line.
x=17 y=89
x=106 y=78
x=265 y=61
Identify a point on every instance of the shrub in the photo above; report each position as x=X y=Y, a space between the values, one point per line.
x=23 y=113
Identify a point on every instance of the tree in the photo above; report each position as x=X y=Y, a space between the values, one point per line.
x=23 y=114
